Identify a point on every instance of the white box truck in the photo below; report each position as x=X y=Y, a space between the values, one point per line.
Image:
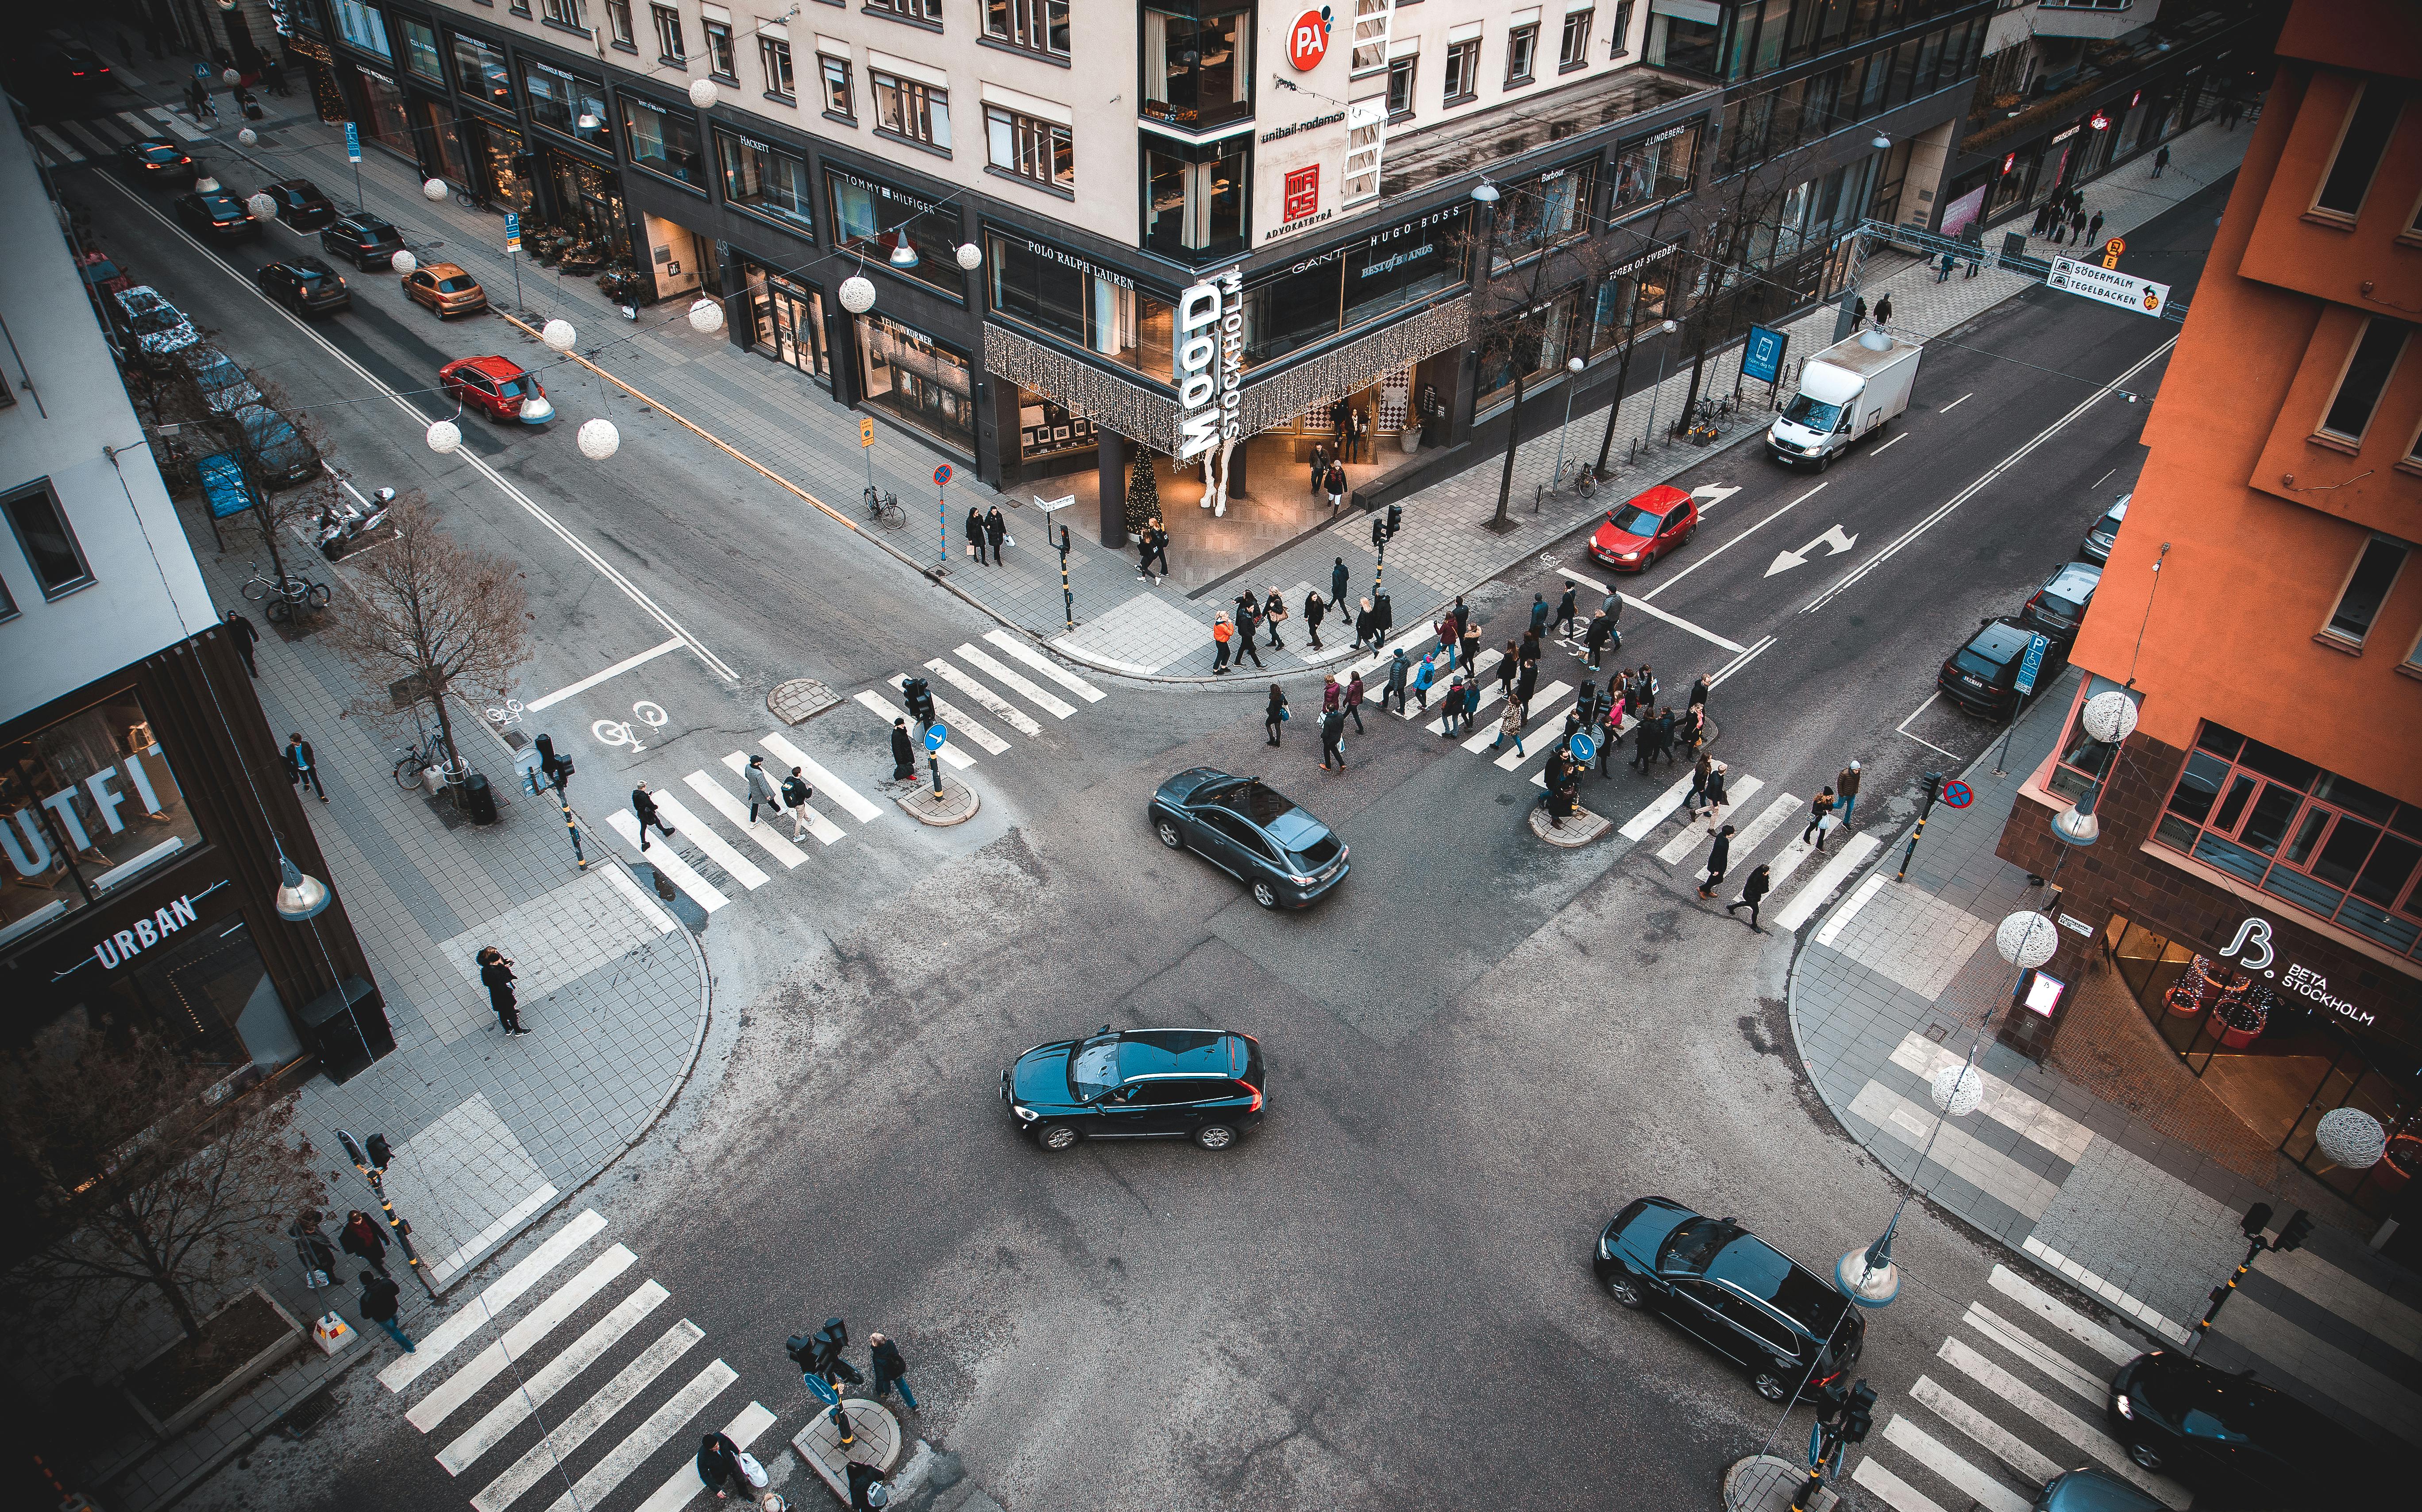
x=1846 y=391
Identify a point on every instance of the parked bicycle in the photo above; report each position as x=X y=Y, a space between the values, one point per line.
x=884 y=508
x=285 y=595
x=415 y=757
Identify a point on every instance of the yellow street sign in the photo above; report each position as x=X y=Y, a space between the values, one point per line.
x=865 y=431
x=2111 y=251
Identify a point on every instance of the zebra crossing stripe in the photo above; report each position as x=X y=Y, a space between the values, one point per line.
x=59 y=148
x=2063 y=1316
x=1489 y=695
x=488 y=1363
x=1541 y=737
x=2059 y=1367
x=135 y=123
x=498 y=1295
x=1898 y=1493
x=1656 y=813
x=702 y=893
x=1770 y=819
x=1927 y=1450
x=591 y=1489
x=1001 y=708
x=550 y=1379
x=888 y=711
x=175 y=126
x=822 y=780
x=1479 y=666
x=1806 y=903
x=718 y=850
x=558 y=1443
x=1738 y=791
x=1787 y=861
x=1045 y=665
x=719 y=797
x=2061 y=1421
x=682 y=1487
x=1849 y=910
x=1051 y=704
x=2007 y=1447
x=818 y=825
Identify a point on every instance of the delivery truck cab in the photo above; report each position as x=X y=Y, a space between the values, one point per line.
x=1846 y=391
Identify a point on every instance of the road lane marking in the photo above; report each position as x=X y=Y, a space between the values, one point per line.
x=1677 y=621
x=1663 y=804
x=822 y=780
x=720 y=798
x=615 y=1468
x=1923 y=1447
x=1045 y=665
x=560 y=1441
x=823 y=828
x=175 y=124
x=683 y=1487
x=1737 y=540
x=1954 y=403
x=1902 y=728
x=2004 y=1445
x=718 y=850
x=1804 y=903
x=1896 y=1494
x=1889 y=445
x=1008 y=713
x=1059 y=707
x=1849 y=910
x=498 y=1294
x=573 y=689
x=2051 y=1415
x=1741 y=661
x=1696 y=834
x=702 y=893
x=64 y=152
x=529 y=1395
x=1549 y=695
x=2063 y=1316
x=888 y=711
x=2092 y=1388
x=490 y=1362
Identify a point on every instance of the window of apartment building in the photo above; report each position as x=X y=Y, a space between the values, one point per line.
x=519 y=7
x=1656 y=167
x=773 y=57
x=670 y=48
x=661 y=141
x=1198 y=64
x=362 y=25
x=1065 y=296
x=719 y=58
x=769 y=181
x=480 y=66
x=421 y=53
x=910 y=108
x=1685 y=35
x=563 y=13
x=872 y=219
x=838 y=101
x=1194 y=196
x=1537 y=342
x=1553 y=209
x=1040 y=151
x=1401 y=73
x=1462 y=71
x=1619 y=45
x=1036 y=26
x=2326 y=844
x=929 y=12
x=2366 y=374
x=2367 y=590
x=1354 y=285
x=618 y=21
x=1573 y=51
x=1521 y=53
x=95 y=806
x=2361 y=143
x=47 y=541
x=561 y=101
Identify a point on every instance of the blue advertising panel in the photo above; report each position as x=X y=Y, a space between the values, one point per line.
x=1762 y=358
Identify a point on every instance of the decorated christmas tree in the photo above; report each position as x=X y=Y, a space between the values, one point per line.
x=1143 y=494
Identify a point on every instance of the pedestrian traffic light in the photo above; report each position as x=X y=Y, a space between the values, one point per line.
x=1859 y=1416
x=1933 y=781
x=920 y=700
x=2293 y=1232
x=1395 y=520
x=1832 y=1398
x=1379 y=534
x=379 y=1151
x=545 y=752
x=2258 y=1218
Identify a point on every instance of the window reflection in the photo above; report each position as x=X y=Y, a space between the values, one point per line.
x=86 y=804
x=1198 y=68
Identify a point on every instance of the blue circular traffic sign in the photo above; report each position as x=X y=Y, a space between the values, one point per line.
x=1957 y=795
x=942 y=476
x=937 y=736
x=1582 y=748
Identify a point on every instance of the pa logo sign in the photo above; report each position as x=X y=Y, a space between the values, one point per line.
x=1308 y=39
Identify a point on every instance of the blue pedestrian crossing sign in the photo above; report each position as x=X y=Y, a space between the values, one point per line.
x=1583 y=748
x=824 y=1390
x=2031 y=665
x=935 y=736
x=353 y=143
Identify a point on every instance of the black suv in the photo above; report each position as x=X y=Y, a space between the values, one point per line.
x=303 y=284
x=364 y=240
x=1787 y=1328
x=1982 y=676
x=1202 y=1085
x=2059 y=606
x=215 y=212
x=300 y=203
x=1288 y=858
x=2237 y=1443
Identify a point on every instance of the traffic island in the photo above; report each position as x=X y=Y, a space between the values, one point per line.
x=874 y=1441
x=1764 y=1483
x=1582 y=828
x=799 y=700
x=955 y=805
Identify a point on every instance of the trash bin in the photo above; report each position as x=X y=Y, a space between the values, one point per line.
x=478 y=801
x=347 y=1027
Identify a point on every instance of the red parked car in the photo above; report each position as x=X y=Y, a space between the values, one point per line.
x=1653 y=523
x=498 y=388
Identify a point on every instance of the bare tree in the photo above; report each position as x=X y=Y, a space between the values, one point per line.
x=124 y=1184
x=180 y=396
x=434 y=614
x=1744 y=238
x=1651 y=233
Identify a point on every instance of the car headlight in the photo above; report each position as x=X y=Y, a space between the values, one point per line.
x=1025 y=1115
x=1605 y=1248
x=2126 y=1409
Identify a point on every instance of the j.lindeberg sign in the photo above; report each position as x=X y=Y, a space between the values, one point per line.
x=1211 y=343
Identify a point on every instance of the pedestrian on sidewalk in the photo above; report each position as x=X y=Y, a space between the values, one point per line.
x=1220 y=636
x=361 y=1239
x=1539 y=612
x=1314 y=610
x=1332 y=482
x=1719 y=857
x=1248 y=618
x=312 y=1249
x=889 y=1369
x=247 y=635
x=1820 y=818
x=1567 y=609
x=1319 y=465
x=2094 y=231
x=1510 y=725
x=1858 y=313
x=1156 y=549
x=1274 y=716
x=904 y=750
x=302 y=767
x=379 y=1296
x=1332 y=739
x=975 y=533
x=1341 y=583
x=2077 y=226
x=1354 y=700
x=497 y=975
x=760 y=789
x=996 y=531
x=643 y=807
x=2162 y=160
x=796 y=793
x=1274 y=613
x=718 y=1466
x=1883 y=311
x=1365 y=627
x=1752 y=892
x=2042 y=220
x=1845 y=787
x=1943 y=266
x=1423 y=677
x=1453 y=706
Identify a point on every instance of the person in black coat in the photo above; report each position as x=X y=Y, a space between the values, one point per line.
x=1274 y=716
x=1314 y=610
x=361 y=1239
x=718 y=1466
x=379 y=1296
x=1752 y=892
x=904 y=754
x=996 y=531
x=643 y=807
x=975 y=533
x=1340 y=582
x=247 y=635
x=497 y=975
x=1717 y=859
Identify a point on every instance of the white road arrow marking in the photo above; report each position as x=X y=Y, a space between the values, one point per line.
x=1833 y=541
x=1711 y=494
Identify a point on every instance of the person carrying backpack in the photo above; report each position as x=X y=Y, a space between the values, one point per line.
x=796 y=793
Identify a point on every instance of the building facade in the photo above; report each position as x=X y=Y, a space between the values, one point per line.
x=143 y=803
x=2257 y=882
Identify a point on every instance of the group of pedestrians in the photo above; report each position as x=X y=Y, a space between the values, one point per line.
x=2063 y=218
x=1828 y=811
x=988 y=531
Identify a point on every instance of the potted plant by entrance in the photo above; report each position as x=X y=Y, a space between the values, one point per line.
x=2238 y=1017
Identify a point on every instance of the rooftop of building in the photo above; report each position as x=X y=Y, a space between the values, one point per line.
x=1470 y=143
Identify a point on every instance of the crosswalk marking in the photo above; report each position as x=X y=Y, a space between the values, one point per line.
x=2060 y=1420
x=1541 y=737
x=1048 y=703
x=551 y=1378
x=645 y=1439
x=2004 y=1104
x=682 y=1486
x=822 y=780
x=1806 y=903
x=1787 y=861
x=2008 y=1448
x=490 y=1362
x=1549 y=696
x=719 y=797
x=1772 y=818
x=718 y=850
x=1898 y=1493
x=818 y=825
x=96 y=147
x=1737 y=791
x=1490 y=693
x=1849 y=910
x=1479 y=667
x=59 y=148
x=888 y=711
x=1656 y=813
x=2054 y=1365
x=1045 y=665
x=176 y=125
x=1001 y=708
x=588 y=1418
x=702 y=893
x=497 y=1295
x=2064 y=1317
x=1929 y=1451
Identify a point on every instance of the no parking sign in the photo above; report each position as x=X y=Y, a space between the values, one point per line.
x=1959 y=795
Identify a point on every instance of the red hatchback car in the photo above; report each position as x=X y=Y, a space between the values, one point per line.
x=498 y=388
x=1653 y=523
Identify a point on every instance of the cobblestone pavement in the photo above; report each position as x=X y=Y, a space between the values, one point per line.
x=2130 y=1198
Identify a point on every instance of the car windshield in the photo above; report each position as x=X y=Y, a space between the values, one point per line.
x=1095 y=1068
x=378 y=235
x=513 y=388
x=1693 y=1245
x=155 y=318
x=1633 y=520
x=1975 y=666
x=1816 y=413
x=160 y=152
x=454 y=286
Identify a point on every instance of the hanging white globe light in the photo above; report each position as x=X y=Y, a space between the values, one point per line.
x=262 y=207
x=247 y=137
x=703 y=94
x=599 y=440
x=1959 y=1090
x=443 y=437
x=206 y=185
x=2108 y=717
x=403 y=262
x=2027 y=939
x=434 y=191
x=230 y=76
x=706 y=316
x=559 y=334
x=858 y=294
x=2351 y=1138
x=970 y=255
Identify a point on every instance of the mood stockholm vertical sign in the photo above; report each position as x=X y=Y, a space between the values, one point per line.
x=1210 y=361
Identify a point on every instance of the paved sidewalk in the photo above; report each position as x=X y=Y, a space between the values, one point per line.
x=2110 y=1166
x=793 y=427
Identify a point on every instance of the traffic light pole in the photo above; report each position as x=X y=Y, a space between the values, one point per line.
x=2258 y=1218
x=371 y=1171
x=1933 y=790
x=1067 y=597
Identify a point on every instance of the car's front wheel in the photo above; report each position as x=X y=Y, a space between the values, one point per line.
x=1626 y=1289
x=1214 y=1136
x=1169 y=835
x=1772 y=1386
x=1057 y=1137
x=1264 y=895
x=2146 y=1456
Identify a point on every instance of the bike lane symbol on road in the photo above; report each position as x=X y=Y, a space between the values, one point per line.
x=622 y=733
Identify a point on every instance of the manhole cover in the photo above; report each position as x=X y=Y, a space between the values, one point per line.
x=799 y=700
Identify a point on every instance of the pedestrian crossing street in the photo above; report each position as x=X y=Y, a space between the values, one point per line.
x=97 y=138
x=529 y=1420
x=2016 y=1395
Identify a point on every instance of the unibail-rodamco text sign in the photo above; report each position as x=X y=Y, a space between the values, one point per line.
x=2108 y=284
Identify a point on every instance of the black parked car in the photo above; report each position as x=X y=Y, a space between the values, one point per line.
x=279 y=454
x=216 y=215
x=304 y=285
x=2239 y=1443
x=1288 y=858
x=1783 y=1324
x=300 y=203
x=157 y=160
x=2095 y=548
x=1202 y=1085
x=1982 y=676
x=364 y=240
x=2059 y=606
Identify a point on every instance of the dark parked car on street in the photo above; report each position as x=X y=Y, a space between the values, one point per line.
x=279 y=453
x=2088 y=1489
x=216 y=215
x=300 y=203
x=2236 y=1442
x=2059 y=606
x=2095 y=548
x=364 y=240
x=304 y=285
x=160 y=328
x=157 y=160
x=1982 y=676
x=1202 y=1085
x=1787 y=1327
x=1288 y=858
x=1653 y=523
x=224 y=387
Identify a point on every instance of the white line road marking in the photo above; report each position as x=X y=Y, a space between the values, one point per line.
x=2061 y=1316
x=1804 y=903
x=64 y=152
x=823 y=828
x=549 y=1378
x=2005 y=1447
x=1550 y=694
x=1898 y=1493
x=1741 y=661
x=1787 y=861
x=1772 y=818
x=720 y=798
x=649 y=1437
x=1711 y=494
x=2039 y=1123
x=2094 y=1390
x=1737 y=540
x=1585 y=581
x=490 y=1362
x=1050 y=702
x=888 y=711
x=822 y=780
x=586 y=1419
x=1008 y=713
x=1479 y=666
x=2060 y=1420
x=1923 y=1447
x=1973 y=489
x=1889 y=445
x=1954 y=403
x=175 y=124
x=96 y=147
x=1541 y=737
x=718 y=850
x=1490 y=693
x=1696 y=835
x=640 y=903
x=1663 y=804
x=702 y=893
x=1848 y=912
x=498 y=1294
x=1902 y=728
x=1833 y=541
x=495 y=1234
x=1045 y=665
x=1677 y=621
x=682 y=1487
x=591 y=681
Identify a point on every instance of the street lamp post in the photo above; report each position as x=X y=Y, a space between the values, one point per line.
x=1572 y=386
x=1666 y=329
